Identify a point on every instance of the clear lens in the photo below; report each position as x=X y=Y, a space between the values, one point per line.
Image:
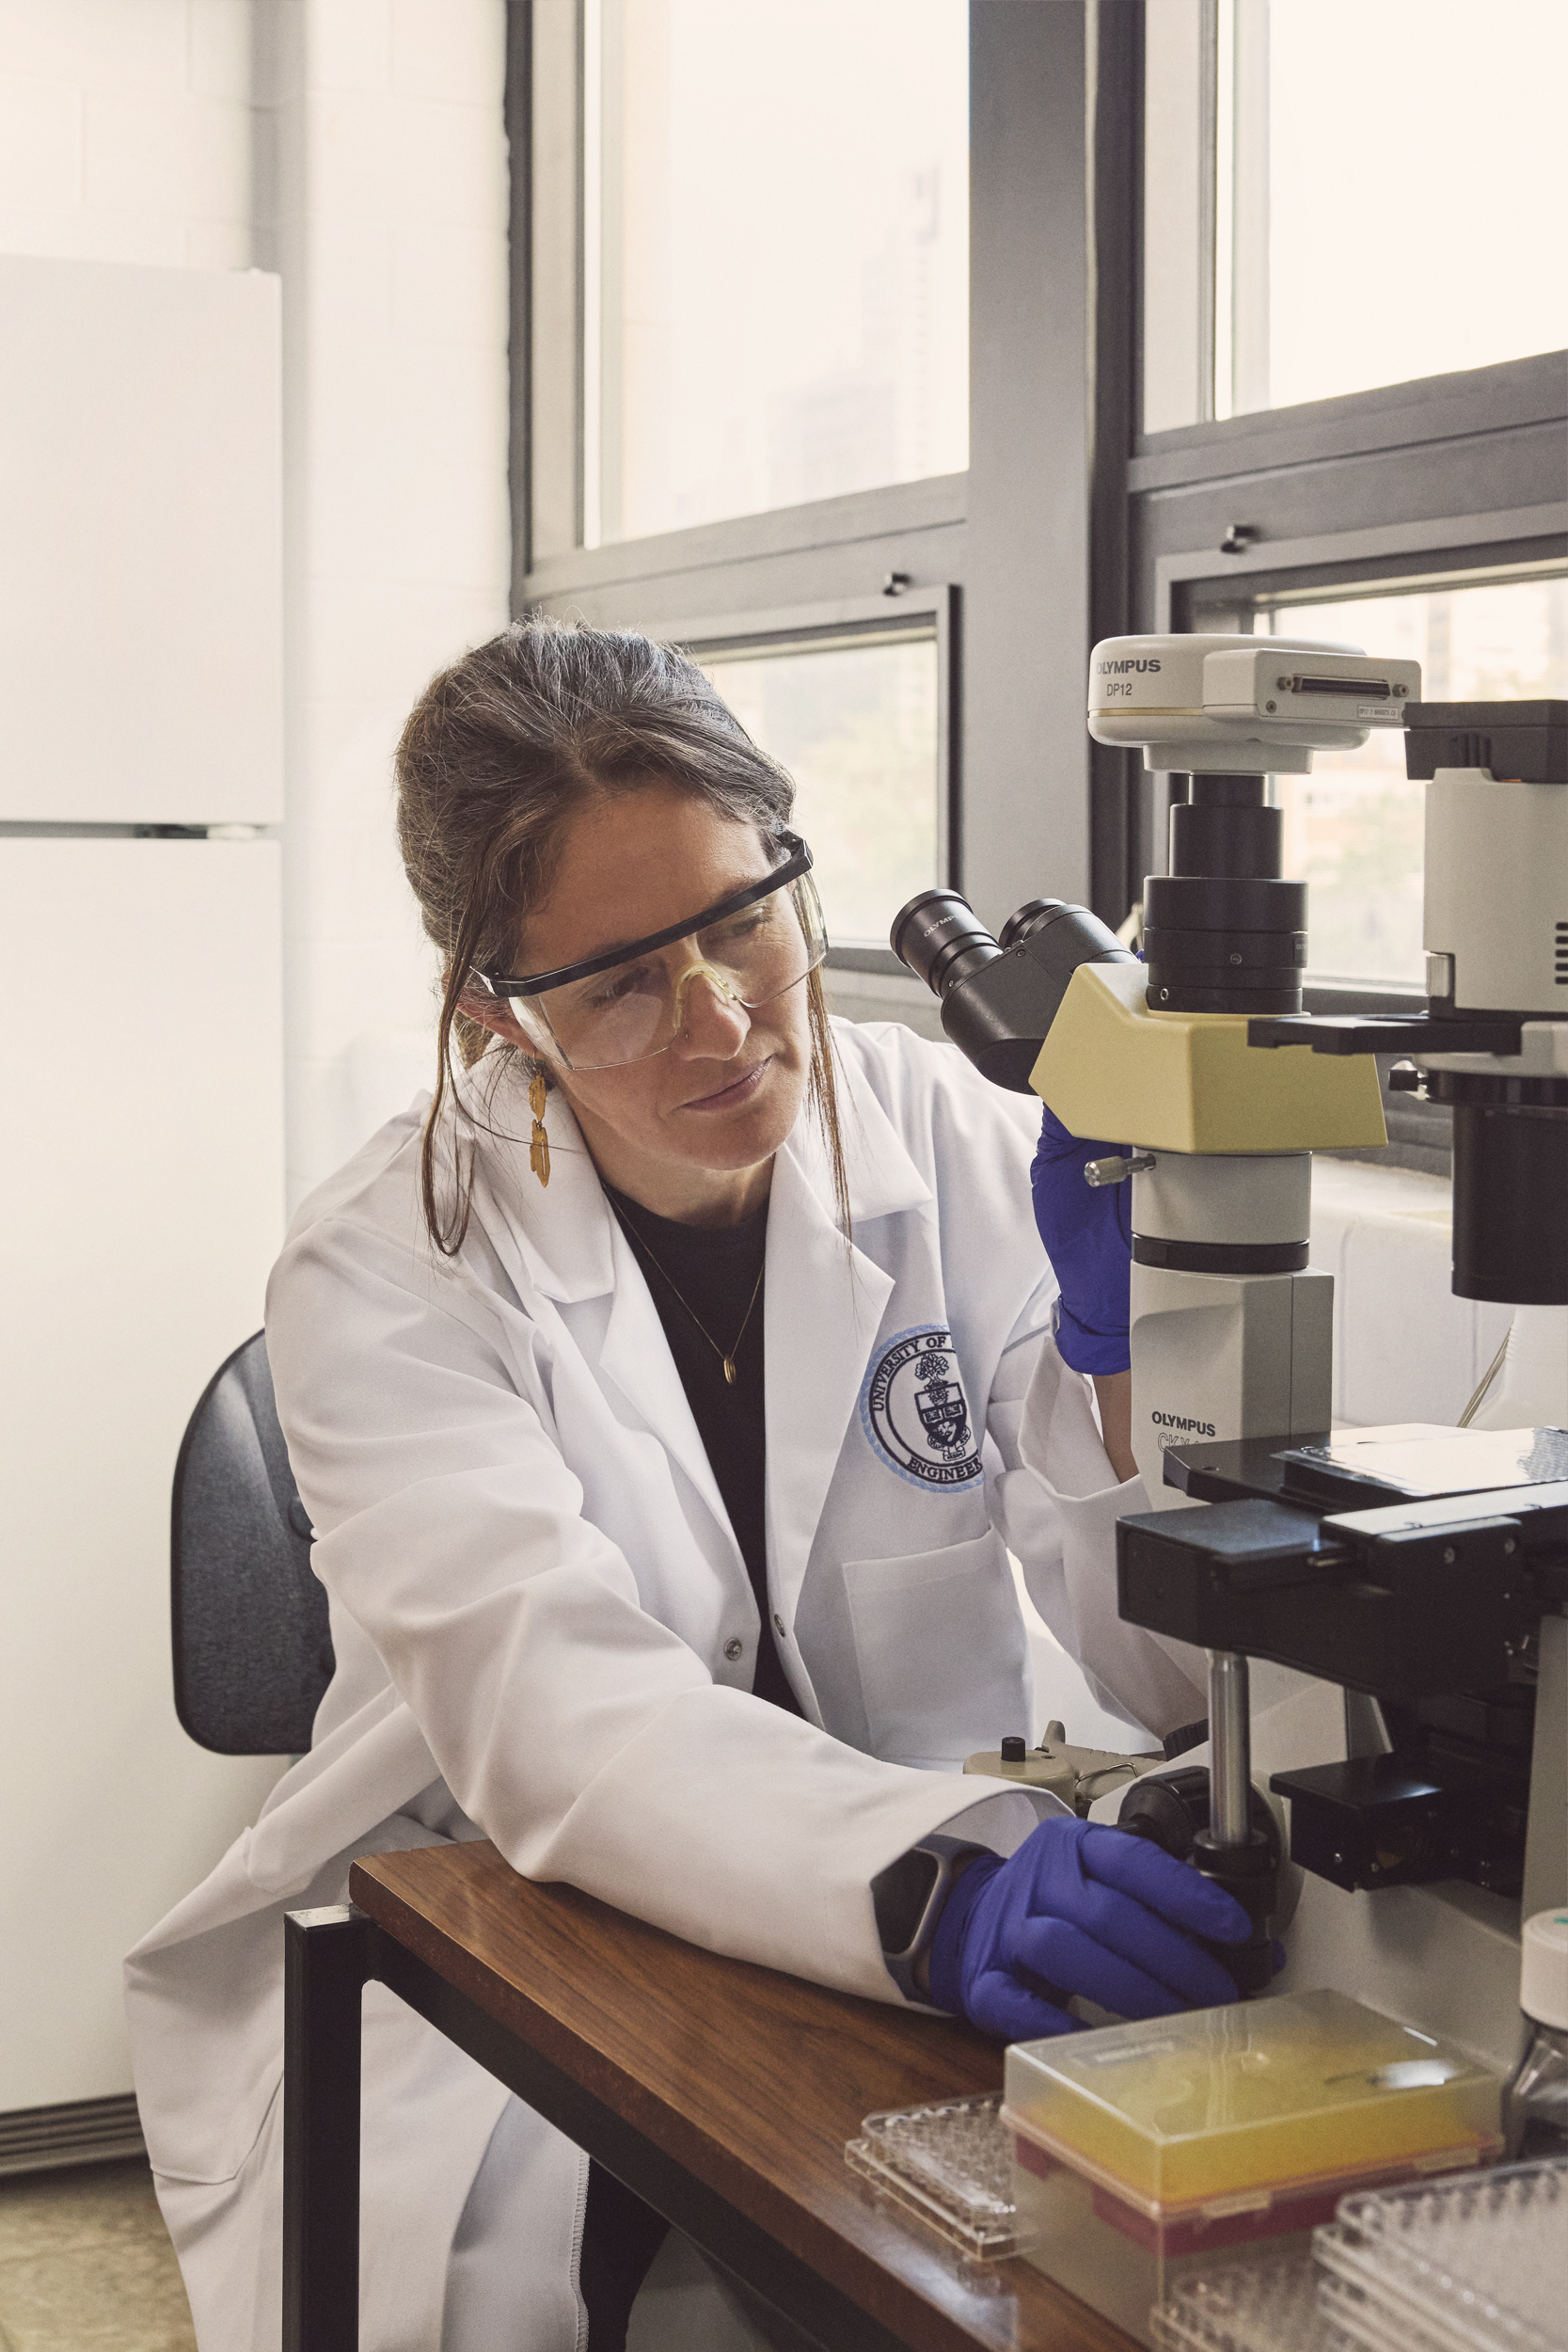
x=634 y=1008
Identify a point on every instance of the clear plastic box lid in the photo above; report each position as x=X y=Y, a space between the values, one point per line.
x=1251 y=2100
x=1479 y=2264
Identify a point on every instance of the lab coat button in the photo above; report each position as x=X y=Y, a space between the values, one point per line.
x=779 y=1627
x=733 y=1648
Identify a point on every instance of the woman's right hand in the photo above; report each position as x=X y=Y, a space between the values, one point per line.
x=1079 y=1909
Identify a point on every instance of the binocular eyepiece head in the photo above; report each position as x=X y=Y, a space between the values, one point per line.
x=943 y=942
x=999 y=995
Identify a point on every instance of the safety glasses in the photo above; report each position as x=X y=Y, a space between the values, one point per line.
x=630 y=1004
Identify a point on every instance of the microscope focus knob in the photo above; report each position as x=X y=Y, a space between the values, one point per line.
x=1117 y=1170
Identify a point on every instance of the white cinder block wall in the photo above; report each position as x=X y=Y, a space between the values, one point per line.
x=356 y=146
x=125 y=130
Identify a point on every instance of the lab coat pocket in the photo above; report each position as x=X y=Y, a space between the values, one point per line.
x=943 y=1656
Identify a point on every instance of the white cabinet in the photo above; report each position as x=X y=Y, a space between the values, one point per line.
x=141 y=1071
x=140 y=545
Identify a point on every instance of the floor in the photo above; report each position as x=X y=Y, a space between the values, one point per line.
x=85 y=2264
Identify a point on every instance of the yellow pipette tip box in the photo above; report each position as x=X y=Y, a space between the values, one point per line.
x=1144 y=2153
x=1223 y=2102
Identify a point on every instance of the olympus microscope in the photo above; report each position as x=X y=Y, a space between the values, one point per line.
x=1390 y=1781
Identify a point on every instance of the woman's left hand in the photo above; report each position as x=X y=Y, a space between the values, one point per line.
x=1087 y=1232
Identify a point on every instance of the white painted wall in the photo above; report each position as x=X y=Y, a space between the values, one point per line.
x=382 y=197
x=357 y=147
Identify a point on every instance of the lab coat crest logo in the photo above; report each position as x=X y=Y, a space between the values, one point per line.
x=915 y=1414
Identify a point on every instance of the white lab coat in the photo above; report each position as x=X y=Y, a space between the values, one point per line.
x=546 y=1634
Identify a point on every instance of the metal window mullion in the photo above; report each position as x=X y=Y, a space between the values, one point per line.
x=518 y=104
x=1208 y=203
x=1027 y=582
x=604 y=242
x=1118 y=830
x=1251 y=290
x=550 y=491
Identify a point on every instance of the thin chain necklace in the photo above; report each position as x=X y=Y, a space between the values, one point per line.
x=639 y=1241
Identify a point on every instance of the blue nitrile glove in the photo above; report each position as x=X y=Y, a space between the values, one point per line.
x=1079 y=1909
x=1087 y=1232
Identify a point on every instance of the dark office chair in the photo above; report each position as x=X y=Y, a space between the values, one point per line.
x=252 y=1653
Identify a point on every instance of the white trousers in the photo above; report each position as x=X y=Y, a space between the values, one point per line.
x=682 y=2307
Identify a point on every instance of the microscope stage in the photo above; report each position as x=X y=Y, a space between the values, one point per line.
x=1348 y=1469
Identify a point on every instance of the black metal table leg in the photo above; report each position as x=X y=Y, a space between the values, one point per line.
x=330 y=1955
x=326 y=1962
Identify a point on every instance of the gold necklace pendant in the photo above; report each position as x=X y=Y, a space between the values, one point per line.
x=640 y=1242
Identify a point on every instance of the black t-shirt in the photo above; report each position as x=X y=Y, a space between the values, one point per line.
x=717 y=1271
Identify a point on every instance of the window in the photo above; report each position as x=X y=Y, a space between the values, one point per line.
x=1340 y=194
x=858 y=715
x=776 y=255
x=741 y=389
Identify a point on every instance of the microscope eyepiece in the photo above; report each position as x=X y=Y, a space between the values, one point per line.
x=943 y=940
x=1027 y=919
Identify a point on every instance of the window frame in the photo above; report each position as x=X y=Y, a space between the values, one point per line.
x=1448 y=549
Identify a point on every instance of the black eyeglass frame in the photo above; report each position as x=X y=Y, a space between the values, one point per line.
x=534 y=984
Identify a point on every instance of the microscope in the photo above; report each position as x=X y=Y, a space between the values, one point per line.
x=1400 y=1786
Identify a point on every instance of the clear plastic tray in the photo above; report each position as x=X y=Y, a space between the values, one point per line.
x=947 y=2167
x=1477 y=2264
x=1274 y=2307
x=1268 y=2307
x=1251 y=2100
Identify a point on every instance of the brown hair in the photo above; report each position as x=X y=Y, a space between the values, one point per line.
x=498 y=753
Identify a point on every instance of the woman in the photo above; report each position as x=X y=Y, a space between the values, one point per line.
x=665 y=1398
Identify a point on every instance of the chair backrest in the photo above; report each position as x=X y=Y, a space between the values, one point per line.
x=252 y=1652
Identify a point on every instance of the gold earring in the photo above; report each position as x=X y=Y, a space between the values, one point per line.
x=539 y=1142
